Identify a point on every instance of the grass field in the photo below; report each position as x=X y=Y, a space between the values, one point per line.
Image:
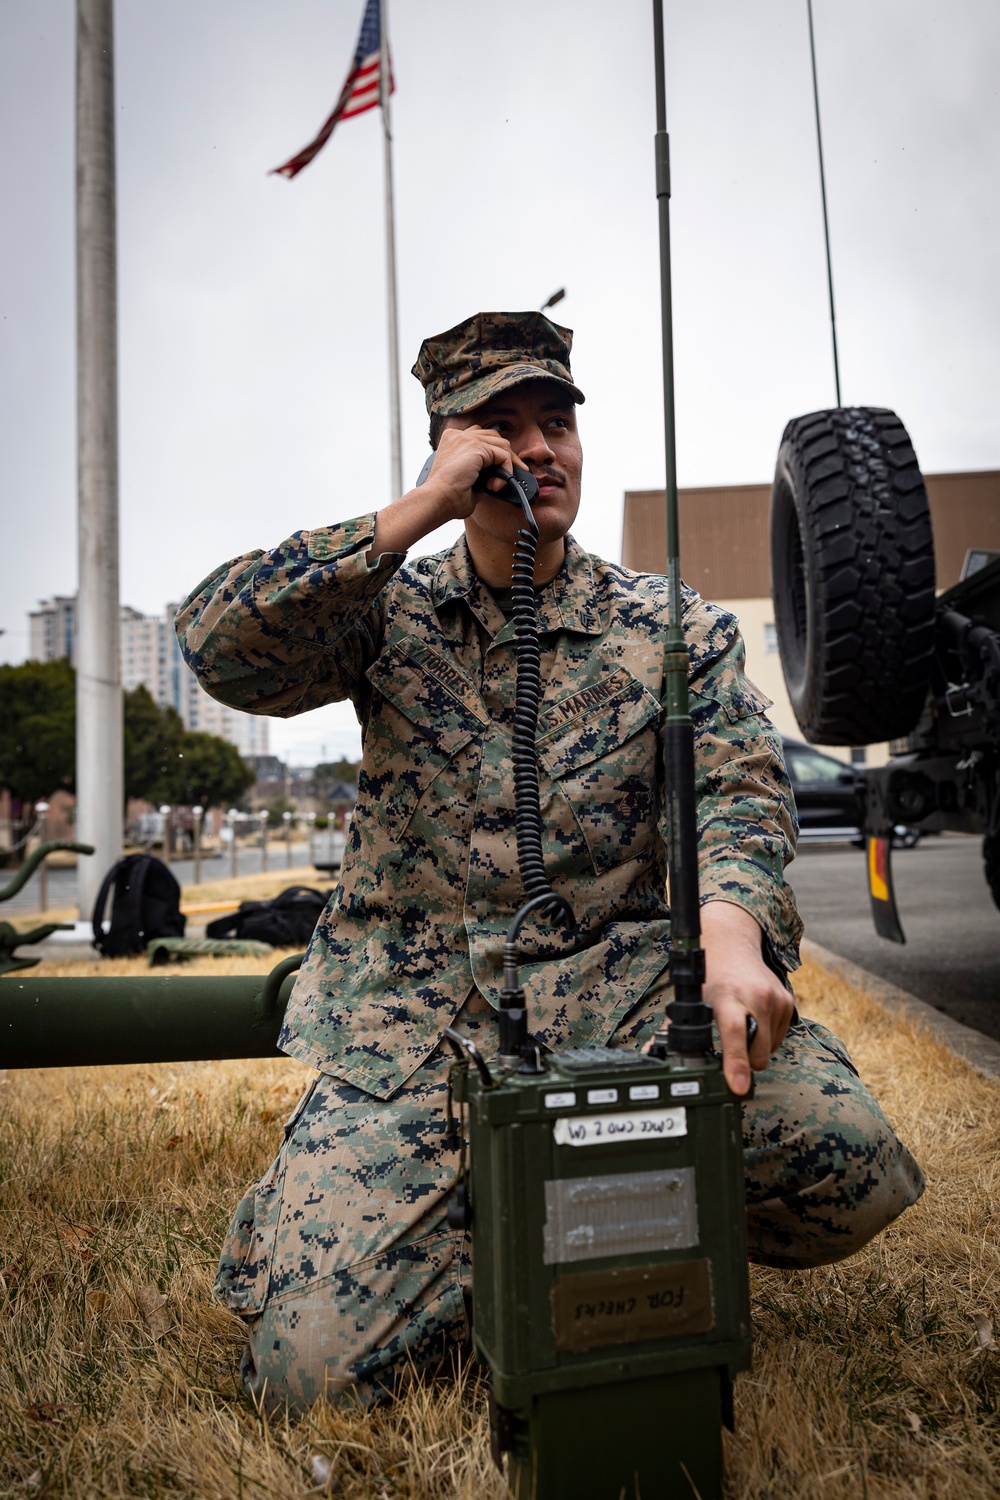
x=118 y=1374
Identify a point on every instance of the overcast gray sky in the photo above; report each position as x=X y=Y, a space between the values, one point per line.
x=253 y=365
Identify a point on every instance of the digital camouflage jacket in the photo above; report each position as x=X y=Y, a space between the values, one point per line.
x=430 y=879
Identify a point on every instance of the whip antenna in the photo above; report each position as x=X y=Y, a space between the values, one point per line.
x=690 y=1028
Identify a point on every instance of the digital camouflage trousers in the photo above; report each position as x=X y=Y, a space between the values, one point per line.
x=341 y=1261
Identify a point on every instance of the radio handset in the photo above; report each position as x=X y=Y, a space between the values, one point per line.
x=520 y=487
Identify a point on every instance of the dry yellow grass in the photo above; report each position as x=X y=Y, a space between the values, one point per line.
x=85 y=968
x=23 y=920
x=118 y=1374
x=869 y=1377
x=257 y=887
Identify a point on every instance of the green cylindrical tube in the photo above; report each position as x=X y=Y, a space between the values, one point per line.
x=24 y=874
x=60 y=1023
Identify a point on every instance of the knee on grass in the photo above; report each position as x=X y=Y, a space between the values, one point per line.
x=845 y=1193
x=303 y=1349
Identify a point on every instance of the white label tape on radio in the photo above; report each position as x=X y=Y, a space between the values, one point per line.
x=631 y=1125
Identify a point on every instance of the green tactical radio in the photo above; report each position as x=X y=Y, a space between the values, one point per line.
x=611 y=1301
x=609 y=1247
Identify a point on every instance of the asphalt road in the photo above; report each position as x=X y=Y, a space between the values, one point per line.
x=951 y=958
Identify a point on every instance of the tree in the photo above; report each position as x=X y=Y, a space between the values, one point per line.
x=328 y=772
x=163 y=762
x=276 y=809
x=38 y=729
x=207 y=771
x=153 y=738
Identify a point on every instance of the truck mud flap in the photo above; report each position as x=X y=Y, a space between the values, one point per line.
x=878 y=851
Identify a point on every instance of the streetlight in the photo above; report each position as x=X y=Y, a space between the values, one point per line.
x=287 y=817
x=263 y=840
x=556 y=297
x=312 y=829
x=231 y=817
x=165 y=812
x=42 y=812
x=198 y=814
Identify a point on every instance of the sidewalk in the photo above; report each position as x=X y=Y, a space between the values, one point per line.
x=980 y=1052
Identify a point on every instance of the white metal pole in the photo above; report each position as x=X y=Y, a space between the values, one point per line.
x=99 y=783
x=198 y=815
x=390 y=264
x=42 y=814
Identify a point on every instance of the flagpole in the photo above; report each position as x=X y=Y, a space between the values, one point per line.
x=99 y=795
x=390 y=259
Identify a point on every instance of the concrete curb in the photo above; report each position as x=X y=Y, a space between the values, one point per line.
x=980 y=1052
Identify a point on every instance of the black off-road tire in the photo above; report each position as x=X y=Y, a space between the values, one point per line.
x=852 y=575
x=991 y=860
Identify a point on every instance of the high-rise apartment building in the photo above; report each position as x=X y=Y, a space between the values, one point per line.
x=151 y=657
x=52 y=629
x=144 y=653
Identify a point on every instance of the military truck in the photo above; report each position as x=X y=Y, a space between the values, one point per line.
x=870 y=652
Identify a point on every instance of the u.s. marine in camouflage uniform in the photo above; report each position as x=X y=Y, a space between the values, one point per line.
x=340 y=1257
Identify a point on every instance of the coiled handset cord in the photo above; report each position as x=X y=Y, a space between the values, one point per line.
x=515 y=1041
x=521 y=488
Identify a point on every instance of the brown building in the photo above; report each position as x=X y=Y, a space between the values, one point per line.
x=725 y=554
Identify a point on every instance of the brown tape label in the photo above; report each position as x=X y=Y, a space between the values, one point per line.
x=632 y=1304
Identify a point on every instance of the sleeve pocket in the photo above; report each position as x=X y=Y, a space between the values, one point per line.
x=738 y=698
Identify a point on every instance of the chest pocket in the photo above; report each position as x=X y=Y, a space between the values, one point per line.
x=601 y=747
x=424 y=711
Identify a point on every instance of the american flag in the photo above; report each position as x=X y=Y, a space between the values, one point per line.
x=360 y=92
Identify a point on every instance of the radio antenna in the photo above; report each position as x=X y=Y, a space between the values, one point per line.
x=690 y=1029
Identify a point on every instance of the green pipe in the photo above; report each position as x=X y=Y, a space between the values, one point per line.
x=34 y=860
x=63 y=1023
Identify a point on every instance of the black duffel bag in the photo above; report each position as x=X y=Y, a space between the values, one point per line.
x=287 y=921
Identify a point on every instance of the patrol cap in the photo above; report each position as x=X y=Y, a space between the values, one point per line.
x=491 y=352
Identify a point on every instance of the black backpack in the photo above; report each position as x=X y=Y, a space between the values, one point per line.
x=285 y=922
x=146 y=905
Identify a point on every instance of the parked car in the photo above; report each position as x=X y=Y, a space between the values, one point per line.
x=830 y=795
x=827 y=793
